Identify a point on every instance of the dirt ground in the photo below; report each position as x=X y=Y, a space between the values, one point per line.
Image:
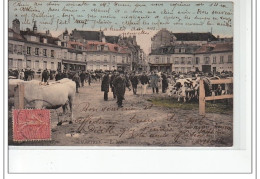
x=138 y=123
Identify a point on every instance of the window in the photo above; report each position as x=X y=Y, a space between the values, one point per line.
x=157 y=60
x=182 y=60
x=221 y=59
x=10 y=48
x=114 y=58
x=15 y=48
x=36 y=64
x=197 y=60
x=206 y=60
x=214 y=60
x=105 y=47
x=52 y=65
x=182 y=50
x=188 y=69
x=19 y=49
x=36 y=51
x=168 y=59
x=98 y=48
x=230 y=59
x=45 y=52
x=176 y=60
x=182 y=69
x=189 y=61
x=52 y=53
x=28 y=64
x=28 y=50
x=10 y=63
x=176 y=69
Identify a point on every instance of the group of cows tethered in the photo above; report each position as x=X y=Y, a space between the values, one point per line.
x=186 y=89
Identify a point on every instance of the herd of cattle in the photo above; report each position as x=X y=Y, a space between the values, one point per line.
x=187 y=89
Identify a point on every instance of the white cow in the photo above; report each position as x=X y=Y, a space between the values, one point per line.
x=52 y=96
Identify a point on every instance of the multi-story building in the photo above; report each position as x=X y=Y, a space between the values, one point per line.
x=80 y=50
x=30 y=49
x=167 y=38
x=190 y=58
x=178 y=58
x=214 y=57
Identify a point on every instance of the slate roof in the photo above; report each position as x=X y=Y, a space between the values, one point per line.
x=92 y=46
x=16 y=35
x=50 y=39
x=195 y=36
x=112 y=39
x=87 y=35
x=219 y=47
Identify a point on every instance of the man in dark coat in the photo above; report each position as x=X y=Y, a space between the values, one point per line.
x=45 y=76
x=113 y=76
x=58 y=76
x=120 y=83
x=77 y=81
x=26 y=75
x=164 y=83
x=134 y=82
x=82 y=78
x=105 y=86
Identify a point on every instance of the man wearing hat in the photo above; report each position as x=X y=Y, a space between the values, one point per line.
x=105 y=85
x=120 y=83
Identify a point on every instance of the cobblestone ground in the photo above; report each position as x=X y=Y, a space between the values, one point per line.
x=138 y=123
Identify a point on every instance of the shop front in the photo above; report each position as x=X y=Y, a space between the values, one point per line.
x=69 y=65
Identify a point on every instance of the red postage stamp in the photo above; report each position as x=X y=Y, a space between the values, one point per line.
x=31 y=124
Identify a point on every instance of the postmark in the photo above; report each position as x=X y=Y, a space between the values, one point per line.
x=31 y=125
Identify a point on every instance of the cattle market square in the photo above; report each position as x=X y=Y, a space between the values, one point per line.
x=106 y=91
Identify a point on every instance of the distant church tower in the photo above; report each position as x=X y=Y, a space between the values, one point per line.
x=34 y=27
x=16 y=26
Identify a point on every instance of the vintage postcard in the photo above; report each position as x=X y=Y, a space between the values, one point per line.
x=140 y=73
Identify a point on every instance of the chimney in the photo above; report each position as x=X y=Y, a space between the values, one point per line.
x=34 y=27
x=16 y=26
x=100 y=35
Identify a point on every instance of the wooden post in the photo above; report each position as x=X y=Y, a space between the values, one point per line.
x=19 y=97
x=202 y=104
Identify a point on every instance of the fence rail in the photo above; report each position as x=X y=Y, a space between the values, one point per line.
x=203 y=98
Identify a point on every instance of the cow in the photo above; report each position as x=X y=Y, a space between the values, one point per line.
x=53 y=96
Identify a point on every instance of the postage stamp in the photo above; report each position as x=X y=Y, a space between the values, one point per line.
x=31 y=124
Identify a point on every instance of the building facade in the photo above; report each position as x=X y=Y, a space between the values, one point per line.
x=80 y=50
x=208 y=58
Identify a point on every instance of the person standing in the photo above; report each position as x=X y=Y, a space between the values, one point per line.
x=112 y=78
x=89 y=78
x=26 y=75
x=134 y=82
x=105 y=86
x=77 y=81
x=164 y=83
x=120 y=83
x=154 y=82
x=45 y=76
x=82 y=78
x=144 y=82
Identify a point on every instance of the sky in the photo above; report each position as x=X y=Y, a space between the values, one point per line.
x=143 y=19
